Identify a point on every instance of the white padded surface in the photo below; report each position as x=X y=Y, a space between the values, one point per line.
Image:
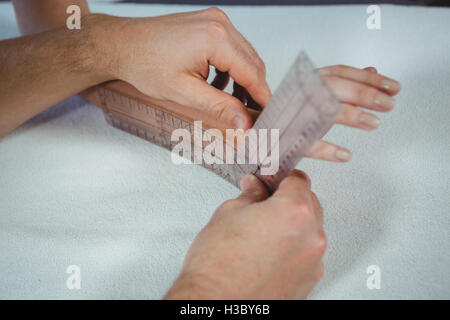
x=75 y=191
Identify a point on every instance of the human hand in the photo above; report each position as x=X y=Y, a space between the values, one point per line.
x=150 y=61
x=256 y=246
x=168 y=59
x=356 y=89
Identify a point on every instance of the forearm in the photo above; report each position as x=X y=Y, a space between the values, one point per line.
x=51 y=67
x=43 y=15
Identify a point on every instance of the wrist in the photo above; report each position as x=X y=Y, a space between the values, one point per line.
x=99 y=47
x=191 y=287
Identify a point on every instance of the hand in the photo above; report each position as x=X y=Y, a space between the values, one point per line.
x=148 y=57
x=168 y=59
x=356 y=89
x=257 y=247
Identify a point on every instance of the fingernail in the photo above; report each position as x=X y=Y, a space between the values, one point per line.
x=370 y=120
x=372 y=69
x=390 y=85
x=246 y=181
x=343 y=155
x=384 y=101
x=239 y=122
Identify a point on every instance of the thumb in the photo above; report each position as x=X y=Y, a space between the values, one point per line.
x=253 y=190
x=229 y=111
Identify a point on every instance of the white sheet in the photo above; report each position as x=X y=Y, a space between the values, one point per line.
x=74 y=191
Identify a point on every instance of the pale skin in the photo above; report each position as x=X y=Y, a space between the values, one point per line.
x=255 y=246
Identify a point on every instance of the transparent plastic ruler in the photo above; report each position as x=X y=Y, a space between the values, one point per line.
x=303 y=108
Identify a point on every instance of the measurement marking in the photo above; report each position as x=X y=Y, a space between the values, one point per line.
x=303 y=108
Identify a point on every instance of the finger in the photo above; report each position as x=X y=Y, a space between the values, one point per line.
x=253 y=100
x=236 y=56
x=219 y=105
x=368 y=77
x=220 y=80
x=371 y=69
x=252 y=103
x=253 y=190
x=296 y=185
x=353 y=116
x=242 y=94
x=324 y=150
x=360 y=94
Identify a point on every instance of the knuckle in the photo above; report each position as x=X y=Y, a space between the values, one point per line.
x=216 y=29
x=349 y=112
x=224 y=108
x=376 y=79
x=218 y=111
x=255 y=60
x=332 y=80
x=217 y=13
x=299 y=212
x=298 y=206
x=366 y=94
x=339 y=69
x=326 y=71
x=371 y=78
x=318 y=246
x=321 y=244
